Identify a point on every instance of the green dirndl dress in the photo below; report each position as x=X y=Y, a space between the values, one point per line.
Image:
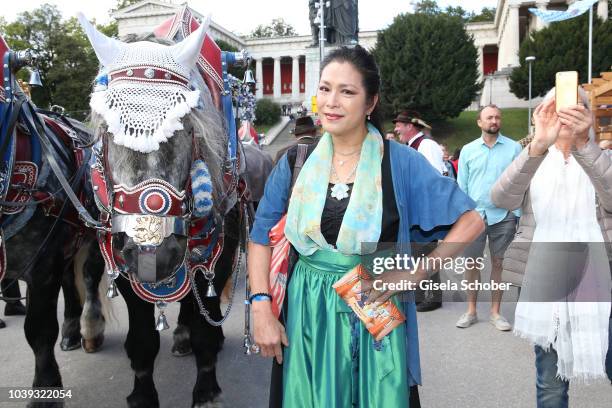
x=332 y=361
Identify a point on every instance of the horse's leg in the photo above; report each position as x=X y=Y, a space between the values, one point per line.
x=182 y=333
x=142 y=346
x=206 y=342
x=92 y=319
x=71 y=336
x=10 y=289
x=41 y=326
x=206 y=339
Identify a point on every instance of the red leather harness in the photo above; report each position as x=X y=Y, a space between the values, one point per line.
x=25 y=175
x=158 y=198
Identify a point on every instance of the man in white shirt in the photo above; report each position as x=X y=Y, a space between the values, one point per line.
x=409 y=127
x=411 y=130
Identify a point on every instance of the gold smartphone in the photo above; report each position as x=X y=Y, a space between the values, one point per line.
x=566 y=89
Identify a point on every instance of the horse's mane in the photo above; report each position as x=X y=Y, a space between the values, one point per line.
x=208 y=123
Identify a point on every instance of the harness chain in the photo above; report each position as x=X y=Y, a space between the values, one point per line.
x=235 y=275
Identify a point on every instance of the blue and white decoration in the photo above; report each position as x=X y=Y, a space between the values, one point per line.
x=201 y=187
x=243 y=99
x=101 y=82
x=574 y=10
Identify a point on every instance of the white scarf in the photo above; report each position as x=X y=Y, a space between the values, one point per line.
x=564 y=205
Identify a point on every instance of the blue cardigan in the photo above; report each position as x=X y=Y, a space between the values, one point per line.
x=427 y=202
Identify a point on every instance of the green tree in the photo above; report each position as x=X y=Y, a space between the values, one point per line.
x=277 y=28
x=458 y=12
x=111 y=29
x=427 y=63
x=237 y=71
x=66 y=61
x=73 y=68
x=427 y=7
x=267 y=112
x=486 y=14
x=431 y=7
x=123 y=4
x=562 y=46
x=40 y=31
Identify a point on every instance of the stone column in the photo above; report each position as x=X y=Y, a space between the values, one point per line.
x=312 y=73
x=542 y=5
x=512 y=35
x=259 y=78
x=602 y=9
x=480 y=62
x=295 y=79
x=277 y=78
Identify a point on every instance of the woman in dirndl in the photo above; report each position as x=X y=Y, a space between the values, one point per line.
x=354 y=188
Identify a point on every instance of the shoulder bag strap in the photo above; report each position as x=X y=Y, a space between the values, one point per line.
x=300 y=159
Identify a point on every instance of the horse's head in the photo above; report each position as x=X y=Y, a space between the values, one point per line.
x=162 y=138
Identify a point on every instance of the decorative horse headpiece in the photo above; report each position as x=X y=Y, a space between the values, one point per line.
x=143 y=92
x=148 y=88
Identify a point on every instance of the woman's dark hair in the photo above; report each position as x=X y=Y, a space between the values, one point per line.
x=366 y=65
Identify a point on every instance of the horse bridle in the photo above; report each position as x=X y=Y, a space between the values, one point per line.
x=153 y=210
x=148 y=213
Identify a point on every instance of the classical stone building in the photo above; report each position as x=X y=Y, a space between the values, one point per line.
x=286 y=68
x=498 y=44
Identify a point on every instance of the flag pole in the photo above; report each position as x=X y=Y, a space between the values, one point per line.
x=590 y=42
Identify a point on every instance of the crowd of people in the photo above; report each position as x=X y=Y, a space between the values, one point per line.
x=554 y=187
x=357 y=186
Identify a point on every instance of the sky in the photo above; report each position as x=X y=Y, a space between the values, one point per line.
x=242 y=16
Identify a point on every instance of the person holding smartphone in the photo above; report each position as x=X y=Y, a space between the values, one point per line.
x=562 y=181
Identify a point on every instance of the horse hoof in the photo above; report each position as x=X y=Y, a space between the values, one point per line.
x=70 y=343
x=181 y=350
x=2 y=324
x=14 y=309
x=92 y=345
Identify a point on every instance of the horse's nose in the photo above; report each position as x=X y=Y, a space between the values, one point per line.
x=150 y=263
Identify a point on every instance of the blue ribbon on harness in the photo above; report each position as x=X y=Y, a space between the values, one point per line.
x=8 y=157
x=229 y=59
x=6 y=110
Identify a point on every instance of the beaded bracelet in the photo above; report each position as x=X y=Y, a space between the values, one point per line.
x=259 y=296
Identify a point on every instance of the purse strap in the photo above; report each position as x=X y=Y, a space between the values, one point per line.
x=300 y=159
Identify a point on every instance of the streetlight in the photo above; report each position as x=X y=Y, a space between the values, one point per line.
x=321 y=5
x=529 y=60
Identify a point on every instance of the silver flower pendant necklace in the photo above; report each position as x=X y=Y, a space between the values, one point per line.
x=340 y=190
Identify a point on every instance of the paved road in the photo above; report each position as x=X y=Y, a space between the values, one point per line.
x=281 y=141
x=475 y=367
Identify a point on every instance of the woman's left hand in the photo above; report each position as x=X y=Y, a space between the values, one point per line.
x=579 y=120
x=391 y=277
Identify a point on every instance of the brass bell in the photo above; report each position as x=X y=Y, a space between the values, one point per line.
x=210 y=291
x=248 y=79
x=34 y=78
x=162 y=322
x=111 y=292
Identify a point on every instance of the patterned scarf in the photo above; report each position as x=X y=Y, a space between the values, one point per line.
x=363 y=217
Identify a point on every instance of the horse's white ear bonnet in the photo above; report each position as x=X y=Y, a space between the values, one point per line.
x=148 y=86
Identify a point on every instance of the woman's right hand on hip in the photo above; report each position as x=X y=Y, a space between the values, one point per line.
x=269 y=332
